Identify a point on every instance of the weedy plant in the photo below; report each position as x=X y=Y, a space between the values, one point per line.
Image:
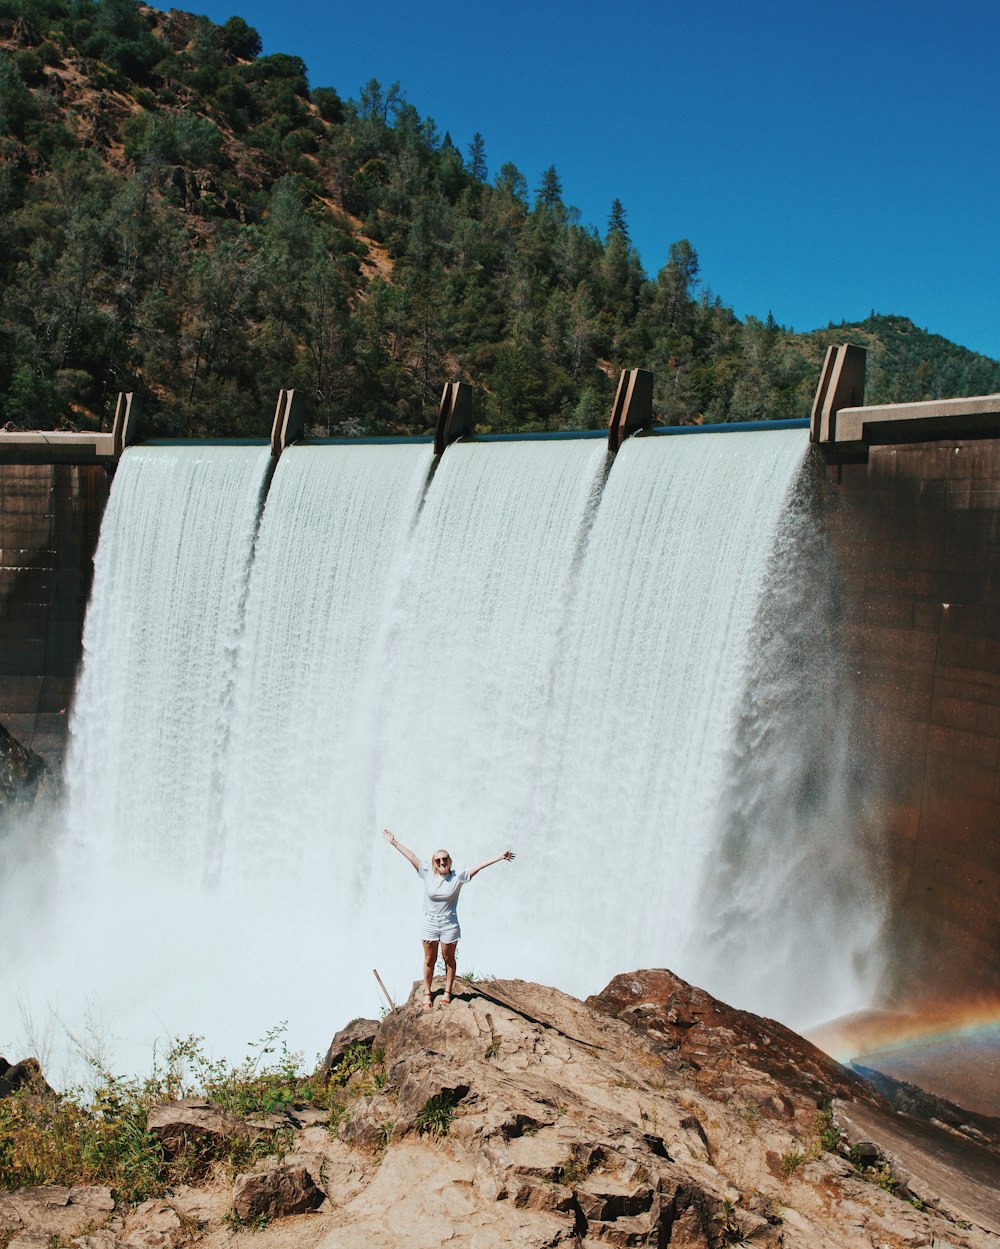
x=356 y=1058
x=729 y=1230
x=72 y=1138
x=884 y=1179
x=826 y=1131
x=791 y=1161
x=570 y=1172
x=435 y=1115
x=236 y=1223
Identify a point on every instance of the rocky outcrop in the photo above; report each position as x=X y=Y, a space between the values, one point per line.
x=55 y=1210
x=651 y=1115
x=733 y=1053
x=24 y=778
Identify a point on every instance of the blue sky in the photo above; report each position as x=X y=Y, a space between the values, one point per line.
x=823 y=160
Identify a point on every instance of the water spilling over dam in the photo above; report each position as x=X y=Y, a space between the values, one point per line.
x=513 y=647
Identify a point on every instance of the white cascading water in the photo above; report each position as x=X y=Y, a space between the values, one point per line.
x=329 y=558
x=795 y=865
x=523 y=660
x=152 y=712
x=650 y=692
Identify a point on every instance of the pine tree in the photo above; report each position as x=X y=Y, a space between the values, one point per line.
x=477 y=157
x=549 y=193
x=617 y=224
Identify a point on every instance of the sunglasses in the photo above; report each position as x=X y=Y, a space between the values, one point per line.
x=441 y=862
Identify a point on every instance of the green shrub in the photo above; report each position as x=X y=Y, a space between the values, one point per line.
x=29 y=66
x=239 y=39
x=356 y=1058
x=570 y=1172
x=175 y=139
x=255 y=1223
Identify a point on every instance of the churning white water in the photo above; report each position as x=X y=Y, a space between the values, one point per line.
x=519 y=653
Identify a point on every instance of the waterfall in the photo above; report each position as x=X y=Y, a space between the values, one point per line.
x=152 y=712
x=650 y=693
x=519 y=648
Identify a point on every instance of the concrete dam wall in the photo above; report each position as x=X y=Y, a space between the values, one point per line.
x=916 y=535
x=50 y=515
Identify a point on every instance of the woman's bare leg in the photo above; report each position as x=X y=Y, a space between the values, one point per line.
x=430 y=958
x=448 y=949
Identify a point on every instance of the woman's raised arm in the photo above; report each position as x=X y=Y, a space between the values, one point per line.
x=398 y=845
x=509 y=855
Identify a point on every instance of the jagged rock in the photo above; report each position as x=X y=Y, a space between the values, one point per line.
x=366 y=1131
x=735 y=1053
x=307 y=1116
x=274 y=1121
x=276 y=1193
x=357 y=1032
x=24 y=1077
x=418 y=1088
x=56 y=1210
x=196 y=1123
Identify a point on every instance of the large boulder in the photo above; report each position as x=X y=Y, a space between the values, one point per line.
x=194 y=1123
x=23 y=1077
x=273 y=1194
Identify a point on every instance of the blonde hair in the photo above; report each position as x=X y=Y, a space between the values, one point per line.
x=436 y=855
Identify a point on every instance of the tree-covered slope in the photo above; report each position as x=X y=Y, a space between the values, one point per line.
x=182 y=215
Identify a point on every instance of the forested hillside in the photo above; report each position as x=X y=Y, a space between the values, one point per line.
x=182 y=215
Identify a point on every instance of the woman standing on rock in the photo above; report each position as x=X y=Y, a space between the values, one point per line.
x=442 y=885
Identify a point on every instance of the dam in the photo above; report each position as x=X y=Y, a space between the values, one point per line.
x=731 y=695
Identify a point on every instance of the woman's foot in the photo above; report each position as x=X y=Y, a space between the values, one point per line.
x=445 y=998
x=428 y=1001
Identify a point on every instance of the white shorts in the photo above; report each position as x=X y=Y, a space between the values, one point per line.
x=437 y=929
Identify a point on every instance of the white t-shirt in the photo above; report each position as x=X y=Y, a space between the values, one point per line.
x=441 y=892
